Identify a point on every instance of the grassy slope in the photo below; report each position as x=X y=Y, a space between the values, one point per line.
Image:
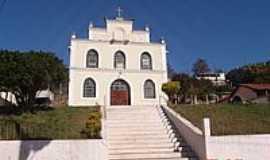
x=59 y=123
x=228 y=119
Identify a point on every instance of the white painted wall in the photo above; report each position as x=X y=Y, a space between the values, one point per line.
x=53 y=150
x=104 y=79
x=193 y=135
x=242 y=147
x=40 y=94
x=113 y=27
x=233 y=147
x=9 y=97
x=105 y=74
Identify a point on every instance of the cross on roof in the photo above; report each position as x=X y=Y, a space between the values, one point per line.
x=119 y=10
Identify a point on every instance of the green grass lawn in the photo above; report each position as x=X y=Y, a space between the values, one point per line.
x=229 y=119
x=53 y=123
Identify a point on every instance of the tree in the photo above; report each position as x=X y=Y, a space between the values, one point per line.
x=185 y=81
x=171 y=71
x=171 y=88
x=200 y=66
x=25 y=73
x=253 y=73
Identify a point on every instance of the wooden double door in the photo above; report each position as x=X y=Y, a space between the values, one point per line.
x=120 y=93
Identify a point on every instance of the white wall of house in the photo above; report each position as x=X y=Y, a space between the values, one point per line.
x=8 y=96
x=40 y=94
x=45 y=94
x=52 y=150
x=215 y=78
x=132 y=43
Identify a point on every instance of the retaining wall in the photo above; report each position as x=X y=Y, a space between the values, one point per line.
x=232 y=147
x=53 y=150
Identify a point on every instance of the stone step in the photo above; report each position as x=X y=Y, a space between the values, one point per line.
x=134 y=133
x=137 y=129
x=134 y=129
x=140 y=150
x=129 y=107
x=125 y=125
x=143 y=111
x=131 y=117
x=154 y=110
x=139 y=137
x=138 y=141
x=160 y=159
x=145 y=156
x=137 y=121
x=138 y=146
x=134 y=120
x=146 y=116
x=110 y=110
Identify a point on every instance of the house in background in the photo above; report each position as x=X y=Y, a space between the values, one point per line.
x=45 y=97
x=218 y=79
x=251 y=93
x=7 y=98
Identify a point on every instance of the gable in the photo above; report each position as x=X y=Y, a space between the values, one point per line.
x=119 y=30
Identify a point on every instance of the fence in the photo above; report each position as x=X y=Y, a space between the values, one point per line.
x=12 y=130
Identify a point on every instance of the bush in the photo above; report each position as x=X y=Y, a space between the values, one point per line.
x=92 y=126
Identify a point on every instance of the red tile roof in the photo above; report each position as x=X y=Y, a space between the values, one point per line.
x=257 y=86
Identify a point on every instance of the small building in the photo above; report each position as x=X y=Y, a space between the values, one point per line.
x=42 y=97
x=251 y=93
x=218 y=79
x=7 y=98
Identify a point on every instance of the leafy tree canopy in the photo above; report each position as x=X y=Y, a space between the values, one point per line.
x=171 y=88
x=24 y=73
x=253 y=73
x=200 y=66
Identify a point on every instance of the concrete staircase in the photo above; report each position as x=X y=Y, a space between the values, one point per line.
x=143 y=133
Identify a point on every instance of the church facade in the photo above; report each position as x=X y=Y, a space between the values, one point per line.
x=116 y=65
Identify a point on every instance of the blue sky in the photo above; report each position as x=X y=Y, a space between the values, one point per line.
x=227 y=33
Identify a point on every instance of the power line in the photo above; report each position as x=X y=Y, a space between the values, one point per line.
x=2 y=5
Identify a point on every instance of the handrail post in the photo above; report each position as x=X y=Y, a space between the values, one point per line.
x=159 y=100
x=104 y=109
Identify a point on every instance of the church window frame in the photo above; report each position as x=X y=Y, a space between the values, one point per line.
x=89 y=88
x=146 y=61
x=92 y=59
x=149 y=89
x=119 y=60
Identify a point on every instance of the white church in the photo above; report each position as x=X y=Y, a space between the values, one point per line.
x=116 y=65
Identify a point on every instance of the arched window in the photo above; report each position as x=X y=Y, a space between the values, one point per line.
x=89 y=88
x=119 y=60
x=92 y=59
x=149 y=89
x=146 y=61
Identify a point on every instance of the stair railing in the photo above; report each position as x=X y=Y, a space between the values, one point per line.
x=104 y=121
x=167 y=123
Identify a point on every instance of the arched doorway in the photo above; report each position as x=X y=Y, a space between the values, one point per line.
x=120 y=93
